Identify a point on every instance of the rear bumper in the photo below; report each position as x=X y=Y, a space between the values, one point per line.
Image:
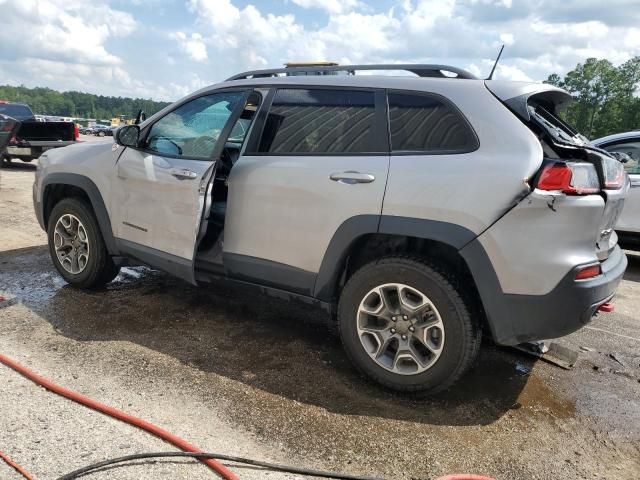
x=566 y=308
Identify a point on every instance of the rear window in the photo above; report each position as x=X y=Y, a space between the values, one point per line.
x=428 y=124
x=315 y=121
x=19 y=112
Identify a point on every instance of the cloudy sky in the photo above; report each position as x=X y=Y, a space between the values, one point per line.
x=164 y=49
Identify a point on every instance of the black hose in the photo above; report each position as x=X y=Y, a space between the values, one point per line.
x=271 y=466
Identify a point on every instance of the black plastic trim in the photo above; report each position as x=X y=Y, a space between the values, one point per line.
x=172 y=264
x=268 y=273
x=352 y=229
x=90 y=188
x=567 y=307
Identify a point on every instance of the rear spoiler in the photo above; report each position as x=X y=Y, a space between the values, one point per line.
x=516 y=95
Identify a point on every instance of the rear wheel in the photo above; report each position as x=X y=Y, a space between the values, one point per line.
x=76 y=245
x=403 y=324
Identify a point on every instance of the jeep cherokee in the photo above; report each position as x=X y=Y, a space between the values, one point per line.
x=417 y=210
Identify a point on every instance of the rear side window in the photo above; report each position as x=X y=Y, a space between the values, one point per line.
x=631 y=148
x=428 y=124
x=316 y=121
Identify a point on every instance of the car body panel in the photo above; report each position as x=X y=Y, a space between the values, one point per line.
x=154 y=208
x=296 y=194
x=472 y=189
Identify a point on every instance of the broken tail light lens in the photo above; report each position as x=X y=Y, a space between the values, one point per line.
x=613 y=173
x=569 y=178
x=587 y=272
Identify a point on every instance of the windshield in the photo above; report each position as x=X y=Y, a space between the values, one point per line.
x=17 y=111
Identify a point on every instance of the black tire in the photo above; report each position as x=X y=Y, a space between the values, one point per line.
x=100 y=268
x=462 y=331
x=6 y=161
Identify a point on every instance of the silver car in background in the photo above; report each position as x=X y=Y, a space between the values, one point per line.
x=628 y=225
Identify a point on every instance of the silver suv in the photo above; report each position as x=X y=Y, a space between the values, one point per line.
x=417 y=211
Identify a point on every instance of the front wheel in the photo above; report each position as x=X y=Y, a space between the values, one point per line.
x=76 y=245
x=404 y=325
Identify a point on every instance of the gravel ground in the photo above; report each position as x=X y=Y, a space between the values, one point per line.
x=240 y=373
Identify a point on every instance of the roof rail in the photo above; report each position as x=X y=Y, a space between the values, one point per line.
x=422 y=70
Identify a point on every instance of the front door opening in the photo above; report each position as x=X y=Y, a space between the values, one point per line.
x=209 y=253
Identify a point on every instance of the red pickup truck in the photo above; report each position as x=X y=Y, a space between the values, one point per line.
x=32 y=137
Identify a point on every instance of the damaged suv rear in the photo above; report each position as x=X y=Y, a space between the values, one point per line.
x=415 y=210
x=555 y=254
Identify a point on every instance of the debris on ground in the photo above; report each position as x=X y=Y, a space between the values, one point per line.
x=553 y=353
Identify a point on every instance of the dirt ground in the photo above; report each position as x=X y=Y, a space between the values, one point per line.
x=240 y=373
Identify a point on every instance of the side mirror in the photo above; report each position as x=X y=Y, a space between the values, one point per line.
x=128 y=135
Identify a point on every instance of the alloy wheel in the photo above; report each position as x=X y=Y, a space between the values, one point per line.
x=71 y=243
x=400 y=328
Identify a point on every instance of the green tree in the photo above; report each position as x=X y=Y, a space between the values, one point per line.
x=605 y=96
x=45 y=101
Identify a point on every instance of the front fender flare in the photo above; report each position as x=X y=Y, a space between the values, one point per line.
x=95 y=197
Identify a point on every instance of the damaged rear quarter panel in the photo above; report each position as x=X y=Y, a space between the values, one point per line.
x=541 y=239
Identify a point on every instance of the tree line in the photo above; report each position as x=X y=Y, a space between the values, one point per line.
x=44 y=101
x=605 y=96
x=606 y=99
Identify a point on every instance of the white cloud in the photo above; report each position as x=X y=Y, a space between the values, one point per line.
x=75 y=44
x=192 y=45
x=331 y=6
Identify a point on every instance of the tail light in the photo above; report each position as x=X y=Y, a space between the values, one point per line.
x=613 y=173
x=590 y=271
x=76 y=132
x=570 y=178
x=13 y=140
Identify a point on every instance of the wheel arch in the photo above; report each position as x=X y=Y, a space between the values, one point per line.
x=57 y=186
x=364 y=238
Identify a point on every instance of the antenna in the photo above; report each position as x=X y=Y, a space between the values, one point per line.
x=496 y=63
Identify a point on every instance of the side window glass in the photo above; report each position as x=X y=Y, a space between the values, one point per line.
x=320 y=122
x=424 y=123
x=633 y=150
x=192 y=130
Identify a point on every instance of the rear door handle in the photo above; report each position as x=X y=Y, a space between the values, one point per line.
x=351 y=177
x=183 y=173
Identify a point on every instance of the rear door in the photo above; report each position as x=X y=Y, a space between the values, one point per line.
x=322 y=159
x=629 y=220
x=159 y=188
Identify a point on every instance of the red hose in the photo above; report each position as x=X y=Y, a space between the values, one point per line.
x=15 y=466
x=176 y=441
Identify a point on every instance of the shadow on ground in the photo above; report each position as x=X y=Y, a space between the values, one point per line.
x=17 y=165
x=281 y=347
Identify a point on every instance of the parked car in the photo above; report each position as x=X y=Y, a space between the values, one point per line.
x=34 y=137
x=628 y=225
x=417 y=211
x=86 y=130
x=101 y=130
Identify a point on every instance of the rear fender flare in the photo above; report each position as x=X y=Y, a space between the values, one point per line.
x=355 y=227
